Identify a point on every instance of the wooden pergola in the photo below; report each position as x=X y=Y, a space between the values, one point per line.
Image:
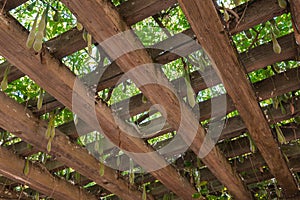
x=102 y=20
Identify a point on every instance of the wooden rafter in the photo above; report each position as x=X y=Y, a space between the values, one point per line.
x=157 y=94
x=62 y=46
x=32 y=130
x=218 y=47
x=132 y=11
x=39 y=178
x=56 y=79
x=295 y=10
x=254 y=59
x=11 y=4
x=274 y=86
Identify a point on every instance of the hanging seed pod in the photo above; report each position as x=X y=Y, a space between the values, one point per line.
x=144 y=195
x=283 y=111
x=37 y=46
x=56 y=16
x=42 y=24
x=282 y=4
x=166 y=197
x=38 y=43
x=48 y=132
x=96 y=146
x=40 y=99
x=278 y=192
x=131 y=172
x=241 y=159
x=67 y=174
x=237 y=2
x=102 y=168
x=4 y=82
x=52 y=135
x=275 y=29
x=248 y=34
x=26 y=168
x=31 y=6
x=77 y=177
x=276 y=46
x=31 y=36
x=144 y=99
x=49 y=145
x=275 y=102
x=79 y=26
x=37 y=196
x=276 y=68
x=226 y=15
x=252 y=144
x=297 y=120
x=118 y=161
x=89 y=43
x=131 y=178
x=280 y=135
x=190 y=93
x=285 y=157
x=84 y=35
x=100 y=150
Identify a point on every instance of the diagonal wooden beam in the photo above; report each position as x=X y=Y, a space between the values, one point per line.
x=11 y=4
x=295 y=11
x=32 y=130
x=254 y=59
x=133 y=11
x=39 y=178
x=57 y=79
x=177 y=112
x=216 y=43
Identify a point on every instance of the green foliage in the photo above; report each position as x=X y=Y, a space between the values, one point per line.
x=60 y=20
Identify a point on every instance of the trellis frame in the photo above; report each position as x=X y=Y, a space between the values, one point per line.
x=233 y=182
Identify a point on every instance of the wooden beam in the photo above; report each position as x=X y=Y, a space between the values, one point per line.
x=156 y=94
x=32 y=130
x=217 y=45
x=253 y=13
x=13 y=33
x=62 y=45
x=39 y=178
x=134 y=11
x=295 y=11
x=254 y=59
x=71 y=41
x=274 y=86
x=11 y=4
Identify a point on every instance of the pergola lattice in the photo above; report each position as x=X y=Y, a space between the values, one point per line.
x=102 y=20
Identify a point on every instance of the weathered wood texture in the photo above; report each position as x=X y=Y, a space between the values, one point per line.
x=39 y=178
x=217 y=45
x=156 y=94
x=32 y=130
x=11 y=4
x=56 y=79
x=295 y=11
x=71 y=41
